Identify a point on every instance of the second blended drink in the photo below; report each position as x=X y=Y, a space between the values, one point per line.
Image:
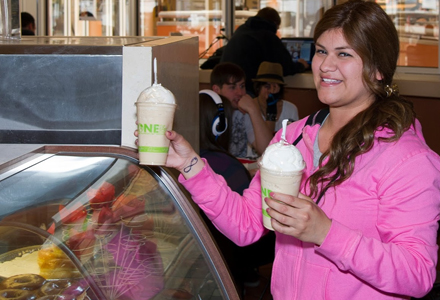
x=156 y=106
x=281 y=170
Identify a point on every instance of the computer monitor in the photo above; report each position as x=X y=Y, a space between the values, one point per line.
x=300 y=47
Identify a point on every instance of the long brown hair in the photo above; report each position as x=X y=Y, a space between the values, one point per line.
x=371 y=33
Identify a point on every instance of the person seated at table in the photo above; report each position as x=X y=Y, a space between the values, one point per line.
x=269 y=88
x=228 y=80
x=215 y=130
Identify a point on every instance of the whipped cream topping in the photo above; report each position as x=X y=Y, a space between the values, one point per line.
x=157 y=94
x=282 y=156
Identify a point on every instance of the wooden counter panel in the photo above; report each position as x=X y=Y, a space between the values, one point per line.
x=203 y=86
x=428 y=113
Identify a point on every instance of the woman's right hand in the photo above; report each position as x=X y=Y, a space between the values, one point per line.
x=182 y=156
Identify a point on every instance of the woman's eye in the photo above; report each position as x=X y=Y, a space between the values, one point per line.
x=320 y=51
x=344 y=54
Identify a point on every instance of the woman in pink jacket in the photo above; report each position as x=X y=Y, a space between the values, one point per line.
x=365 y=223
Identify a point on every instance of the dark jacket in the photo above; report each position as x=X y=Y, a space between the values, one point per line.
x=254 y=42
x=27 y=32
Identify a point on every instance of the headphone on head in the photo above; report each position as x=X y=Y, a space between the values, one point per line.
x=220 y=123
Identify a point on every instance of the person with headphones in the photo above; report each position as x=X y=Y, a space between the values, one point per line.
x=215 y=132
x=228 y=80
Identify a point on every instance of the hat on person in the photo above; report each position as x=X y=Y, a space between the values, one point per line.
x=270 y=72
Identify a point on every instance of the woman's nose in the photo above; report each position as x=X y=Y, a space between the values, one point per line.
x=274 y=88
x=328 y=64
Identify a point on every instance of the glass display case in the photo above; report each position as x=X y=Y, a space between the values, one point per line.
x=87 y=222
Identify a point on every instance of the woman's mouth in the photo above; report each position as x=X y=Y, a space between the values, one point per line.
x=330 y=81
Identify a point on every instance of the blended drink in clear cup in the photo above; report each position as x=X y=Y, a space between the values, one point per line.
x=281 y=170
x=156 y=106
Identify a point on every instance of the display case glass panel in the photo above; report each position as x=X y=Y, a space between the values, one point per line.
x=108 y=227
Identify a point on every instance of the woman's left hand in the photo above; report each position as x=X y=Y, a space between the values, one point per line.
x=299 y=217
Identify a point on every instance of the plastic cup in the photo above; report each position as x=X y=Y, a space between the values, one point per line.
x=154 y=120
x=277 y=181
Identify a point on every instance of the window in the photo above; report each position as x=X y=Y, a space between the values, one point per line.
x=417 y=22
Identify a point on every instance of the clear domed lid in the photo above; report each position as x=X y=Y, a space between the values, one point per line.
x=282 y=156
x=156 y=93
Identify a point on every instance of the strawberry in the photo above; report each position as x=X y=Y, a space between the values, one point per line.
x=71 y=216
x=102 y=196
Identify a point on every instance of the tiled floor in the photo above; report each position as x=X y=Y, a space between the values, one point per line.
x=262 y=291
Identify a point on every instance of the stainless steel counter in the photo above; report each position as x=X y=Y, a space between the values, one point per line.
x=82 y=90
x=13 y=151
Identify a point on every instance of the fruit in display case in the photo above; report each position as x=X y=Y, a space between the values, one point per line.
x=102 y=196
x=55 y=264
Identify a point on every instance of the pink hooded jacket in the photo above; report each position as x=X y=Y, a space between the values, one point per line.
x=382 y=242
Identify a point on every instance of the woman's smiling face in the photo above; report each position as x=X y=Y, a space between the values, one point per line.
x=337 y=73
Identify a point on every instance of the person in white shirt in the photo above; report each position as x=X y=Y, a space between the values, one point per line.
x=269 y=88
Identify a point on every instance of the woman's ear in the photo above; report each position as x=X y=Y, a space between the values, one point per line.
x=379 y=76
